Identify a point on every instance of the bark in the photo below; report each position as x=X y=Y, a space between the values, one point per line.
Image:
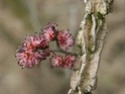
x=90 y=40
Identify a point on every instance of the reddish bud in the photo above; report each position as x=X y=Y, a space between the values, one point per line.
x=49 y=33
x=65 y=40
x=56 y=61
x=68 y=61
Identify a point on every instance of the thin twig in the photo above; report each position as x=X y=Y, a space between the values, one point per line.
x=64 y=52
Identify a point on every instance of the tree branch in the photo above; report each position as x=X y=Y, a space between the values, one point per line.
x=90 y=38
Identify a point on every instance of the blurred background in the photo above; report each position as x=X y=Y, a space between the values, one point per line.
x=21 y=17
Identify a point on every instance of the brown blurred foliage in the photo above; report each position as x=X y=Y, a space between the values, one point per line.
x=21 y=17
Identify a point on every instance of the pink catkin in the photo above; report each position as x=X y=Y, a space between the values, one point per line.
x=66 y=62
x=35 y=48
x=65 y=40
x=28 y=53
x=56 y=61
x=49 y=32
x=30 y=58
x=69 y=61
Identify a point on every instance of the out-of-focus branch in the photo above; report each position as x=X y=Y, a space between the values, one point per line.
x=90 y=39
x=33 y=14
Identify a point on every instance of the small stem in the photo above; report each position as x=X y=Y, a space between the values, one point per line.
x=65 y=52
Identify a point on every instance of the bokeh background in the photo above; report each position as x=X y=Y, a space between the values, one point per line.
x=21 y=17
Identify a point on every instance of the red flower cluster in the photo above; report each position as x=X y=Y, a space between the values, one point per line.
x=59 y=61
x=65 y=40
x=49 y=32
x=28 y=53
x=35 y=48
x=56 y=61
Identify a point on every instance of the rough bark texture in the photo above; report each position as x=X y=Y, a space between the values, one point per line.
x=90 y=40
